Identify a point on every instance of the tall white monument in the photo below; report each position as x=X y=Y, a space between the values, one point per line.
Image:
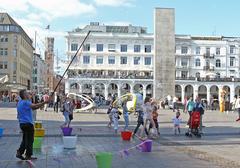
x=164 y=58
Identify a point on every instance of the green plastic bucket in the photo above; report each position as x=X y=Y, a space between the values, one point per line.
x=104 y=159
x=37 y=142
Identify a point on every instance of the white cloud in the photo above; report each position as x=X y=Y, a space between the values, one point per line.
x=47 y=9
x=62 y=8
x=114 y=3
x=11 y=5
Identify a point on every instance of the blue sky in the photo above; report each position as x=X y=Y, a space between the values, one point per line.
x=196 y=17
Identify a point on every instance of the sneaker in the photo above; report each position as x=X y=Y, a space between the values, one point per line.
x=30 y=158
x=238 y=119
x=19 y=156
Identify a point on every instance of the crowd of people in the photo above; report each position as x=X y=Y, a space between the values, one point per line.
x=147 y=112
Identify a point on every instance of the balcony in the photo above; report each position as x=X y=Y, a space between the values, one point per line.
x=110 y=76
x=208 y=68
x=208 y=56
x=209 y=79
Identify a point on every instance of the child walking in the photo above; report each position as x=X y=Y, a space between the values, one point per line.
x=176 y=123
x=155 y=117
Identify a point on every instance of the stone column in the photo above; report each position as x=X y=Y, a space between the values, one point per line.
x=164 y=52
x=67 y=86
x=208 y=94
x=119 y=90
x=183 y=93
x=131 y=89
x=80 y=89
x=219 y=92
x=93 y=91
x=195 y=92
x=144 y=92
x=232 y=92
x=106 y=91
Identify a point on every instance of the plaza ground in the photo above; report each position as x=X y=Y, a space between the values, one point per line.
x=219 y=146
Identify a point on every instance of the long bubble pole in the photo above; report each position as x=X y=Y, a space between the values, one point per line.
x=71 y=62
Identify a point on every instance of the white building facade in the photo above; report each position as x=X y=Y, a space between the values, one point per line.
x=119 y=59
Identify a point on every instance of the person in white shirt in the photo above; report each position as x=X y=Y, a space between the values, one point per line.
x=237 y=106
x=45 y=98
x=176 y=122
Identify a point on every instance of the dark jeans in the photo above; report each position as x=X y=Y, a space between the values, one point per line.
x=139 y=123
x=55 y=107
x=27 y=139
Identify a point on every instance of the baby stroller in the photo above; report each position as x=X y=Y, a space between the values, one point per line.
x=194 y=125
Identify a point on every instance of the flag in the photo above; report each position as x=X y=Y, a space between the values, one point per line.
x=4 y=79
x=48 y=27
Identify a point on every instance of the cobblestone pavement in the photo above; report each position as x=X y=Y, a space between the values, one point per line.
x=219 y=147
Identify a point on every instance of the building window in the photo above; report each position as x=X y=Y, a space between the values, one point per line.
x=198 y=75
x=99 y=60
x=218 y=63
x=184 y=62
x=218 y=51
x=184 y=74
x=99 y=47
x=147 y=60
x=207 y=51
x=123 y=60
x=111 y=47
x=5 y=65
x=86 y=59
x=147 y=48
x=111 y=60
x=3 y=38
x=232 y=49
x=14 y=67
x=198 y=50
x=197 y=62
x=15 y=52
x=184 y=50
x=137 y=48
x=74 y=47
x=1 y=51
x=1 y=65
x=136 y=60
x=86 y=47
x=123 y=48
x=6 y=52
x=232 y=61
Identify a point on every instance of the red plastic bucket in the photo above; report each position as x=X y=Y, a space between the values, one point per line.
x=147 y=146
x=126 y=135
x=67 y=131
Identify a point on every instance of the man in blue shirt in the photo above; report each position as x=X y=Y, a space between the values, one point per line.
x=25 y=118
